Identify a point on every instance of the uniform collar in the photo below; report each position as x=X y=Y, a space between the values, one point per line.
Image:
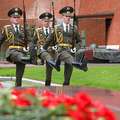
x=64 y=26
x=14 y=26
x=44 y=29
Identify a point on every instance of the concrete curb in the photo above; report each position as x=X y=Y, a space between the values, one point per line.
x=4 y=78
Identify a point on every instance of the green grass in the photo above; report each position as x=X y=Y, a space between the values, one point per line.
x=97 y=76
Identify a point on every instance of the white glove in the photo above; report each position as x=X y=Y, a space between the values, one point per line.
x=41 y=47
x=55 y=47
x=73 y=50
x=36 y=48
x=26 y=49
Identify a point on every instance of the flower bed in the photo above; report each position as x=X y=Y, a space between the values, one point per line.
x=29 y=104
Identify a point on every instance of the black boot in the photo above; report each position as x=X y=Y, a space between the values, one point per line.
x=47 y=83
x=18 y=83
x=53 y=64
x=81 y=65
x=42 y=62
x=58 y=63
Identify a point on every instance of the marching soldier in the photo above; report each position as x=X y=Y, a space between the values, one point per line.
x=67 y=30
x=64 y=41
x=13 y=34
x=48 y=55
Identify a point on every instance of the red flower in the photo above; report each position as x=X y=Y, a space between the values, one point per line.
x=20 y=97
x=78 y=107
x=21 y=102
x=103 y=111
x=47 y=93
x=51 y=102
x=24 y=91
x=76 y=115
x=1 y=85
x=86 y=109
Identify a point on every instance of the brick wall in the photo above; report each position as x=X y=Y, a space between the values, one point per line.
x=95 y=28
x=88 y=7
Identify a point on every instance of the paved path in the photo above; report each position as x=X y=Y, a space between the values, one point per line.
x=8 y=79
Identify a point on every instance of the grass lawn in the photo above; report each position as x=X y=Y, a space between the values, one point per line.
x=99 y=76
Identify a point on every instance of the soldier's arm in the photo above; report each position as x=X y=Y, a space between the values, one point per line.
x=29 y=33
x=52 y=39
x=78 y=39
x=30 y=41
x=37 y=39
x=77 y=35
x=32 y=45
x=48 y=42
x=33 y=38
x=2 y=37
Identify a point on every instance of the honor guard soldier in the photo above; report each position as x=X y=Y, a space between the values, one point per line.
x=79 y=62
x=47 y=55
x=13 y=34
x=64 y=40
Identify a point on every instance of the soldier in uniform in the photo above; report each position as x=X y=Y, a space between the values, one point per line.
x=79 y=61
x=13 y=34
x=64 y=41
x=48 y=55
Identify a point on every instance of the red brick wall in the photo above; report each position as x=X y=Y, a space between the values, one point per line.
x=98 y=6
x=95 y=29
x=114 y=34
x=33 y=8
x=88 y=7
x=83 y=7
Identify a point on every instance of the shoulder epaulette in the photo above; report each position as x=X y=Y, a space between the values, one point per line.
x=38 y=29
x=6 y=30
x=7 y=26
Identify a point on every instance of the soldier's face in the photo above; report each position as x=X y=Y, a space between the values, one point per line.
x=45 y=23
x=66 y=19
x=15 y=20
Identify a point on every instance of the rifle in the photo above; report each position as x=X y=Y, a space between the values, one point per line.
x=74 y=23
x=24 y=25
x=53 y=24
